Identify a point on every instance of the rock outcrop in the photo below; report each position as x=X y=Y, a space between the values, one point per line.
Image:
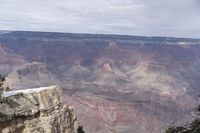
x=36 y=110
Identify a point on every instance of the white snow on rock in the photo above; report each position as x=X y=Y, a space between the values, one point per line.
x=11 y=93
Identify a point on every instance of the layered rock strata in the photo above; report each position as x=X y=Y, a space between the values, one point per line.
x=38 y=110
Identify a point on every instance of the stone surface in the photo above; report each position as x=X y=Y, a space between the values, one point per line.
x=36 y=110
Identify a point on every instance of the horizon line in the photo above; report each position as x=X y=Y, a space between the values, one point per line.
x=103 y=34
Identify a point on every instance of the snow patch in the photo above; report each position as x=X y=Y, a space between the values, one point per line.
x=11 y=93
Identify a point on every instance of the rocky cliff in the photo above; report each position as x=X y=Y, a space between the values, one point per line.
x=38 y=110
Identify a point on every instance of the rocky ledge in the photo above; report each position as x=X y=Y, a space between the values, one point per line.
x=38 y=110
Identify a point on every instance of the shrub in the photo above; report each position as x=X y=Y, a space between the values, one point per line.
x=190 y=127
x=80 y=129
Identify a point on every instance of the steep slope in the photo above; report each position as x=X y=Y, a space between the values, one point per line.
x=9 y=60
x=30 y=75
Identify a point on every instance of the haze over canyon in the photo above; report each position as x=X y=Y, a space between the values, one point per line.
x=117 y=84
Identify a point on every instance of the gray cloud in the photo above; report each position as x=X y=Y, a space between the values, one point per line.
x=178 y=18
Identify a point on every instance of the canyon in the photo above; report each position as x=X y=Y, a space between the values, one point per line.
x=116 y=83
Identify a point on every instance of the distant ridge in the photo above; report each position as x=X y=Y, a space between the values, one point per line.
x=104 y=36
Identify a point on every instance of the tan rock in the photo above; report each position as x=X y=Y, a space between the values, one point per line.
x=36 y=110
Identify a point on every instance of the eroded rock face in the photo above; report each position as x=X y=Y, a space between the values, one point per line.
x=35 y=111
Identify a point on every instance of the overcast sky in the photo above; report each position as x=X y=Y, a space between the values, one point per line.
x=178 y=18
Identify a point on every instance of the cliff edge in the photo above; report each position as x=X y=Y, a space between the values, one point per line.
x=38 y=110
